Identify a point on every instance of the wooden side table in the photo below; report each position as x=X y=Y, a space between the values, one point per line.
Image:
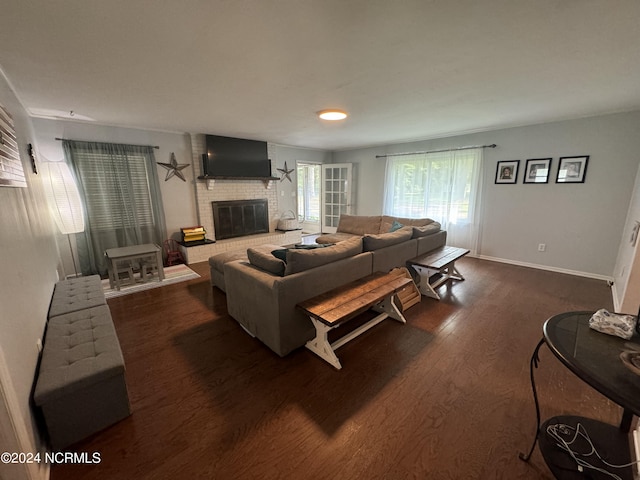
x=595 y=358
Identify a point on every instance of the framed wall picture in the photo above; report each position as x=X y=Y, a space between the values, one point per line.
x=572 y=169
x=507 y=171
x=11 y=171
x=537 y=170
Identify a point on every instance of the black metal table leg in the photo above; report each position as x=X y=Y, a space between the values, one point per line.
x=625 y=422
x=535 y=360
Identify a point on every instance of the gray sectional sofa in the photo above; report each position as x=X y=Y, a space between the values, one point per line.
x=263 y=290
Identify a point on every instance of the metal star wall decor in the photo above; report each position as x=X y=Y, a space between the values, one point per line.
x=173 y=168
x=286 y=172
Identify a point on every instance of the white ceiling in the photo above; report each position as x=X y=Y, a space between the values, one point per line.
x=261 y=69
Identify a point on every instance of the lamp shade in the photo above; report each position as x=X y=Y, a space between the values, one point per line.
x=63 y=197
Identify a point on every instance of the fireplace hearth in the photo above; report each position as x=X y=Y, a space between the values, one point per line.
x=237 y=218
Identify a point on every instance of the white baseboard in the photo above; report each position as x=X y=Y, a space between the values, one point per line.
x=595 y=276
x=616 y=303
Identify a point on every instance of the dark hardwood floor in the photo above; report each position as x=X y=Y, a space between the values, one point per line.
x=446 y=396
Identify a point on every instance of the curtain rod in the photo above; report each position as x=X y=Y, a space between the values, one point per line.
x=89 y=141
x=493 y=145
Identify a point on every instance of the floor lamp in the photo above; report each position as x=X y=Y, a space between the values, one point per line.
x=64 y=200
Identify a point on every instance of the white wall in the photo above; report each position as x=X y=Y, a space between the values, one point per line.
x=177 y=196
x=288 y=190
x=626 y=288
x=581 y=224
x=28 y=272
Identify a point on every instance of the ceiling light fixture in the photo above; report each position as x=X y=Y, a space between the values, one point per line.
x=332 y=114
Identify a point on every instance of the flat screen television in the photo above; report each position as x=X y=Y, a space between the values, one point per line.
x=235 y=157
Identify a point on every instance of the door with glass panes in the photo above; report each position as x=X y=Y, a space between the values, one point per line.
x=336 y=192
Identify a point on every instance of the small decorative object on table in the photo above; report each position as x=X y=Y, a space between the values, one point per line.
x=616 y=324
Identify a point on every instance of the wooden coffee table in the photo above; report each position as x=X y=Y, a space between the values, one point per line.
x=333 y=308
x=440 y=261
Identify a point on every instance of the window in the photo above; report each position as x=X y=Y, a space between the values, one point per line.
x=443 y=186
x=309 y=194
x=121 y=195
x=116 y=190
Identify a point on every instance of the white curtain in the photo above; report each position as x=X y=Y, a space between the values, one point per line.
x=444 y=186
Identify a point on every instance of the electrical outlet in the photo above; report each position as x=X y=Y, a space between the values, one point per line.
x=542 y=247
x=39 y=345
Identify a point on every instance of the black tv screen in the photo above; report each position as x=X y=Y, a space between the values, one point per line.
x=236 y=157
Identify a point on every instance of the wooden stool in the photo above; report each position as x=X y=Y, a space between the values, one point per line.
x=148 y=268
x=127 y=269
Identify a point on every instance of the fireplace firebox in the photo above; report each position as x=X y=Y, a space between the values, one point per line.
x=237 y=218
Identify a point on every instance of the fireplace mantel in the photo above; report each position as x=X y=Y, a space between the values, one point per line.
x=212 y=179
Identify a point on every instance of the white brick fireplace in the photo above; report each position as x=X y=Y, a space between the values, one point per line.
x=220 y=190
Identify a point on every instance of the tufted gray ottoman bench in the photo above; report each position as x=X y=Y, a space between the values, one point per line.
x=76 y=294
x=80 y=386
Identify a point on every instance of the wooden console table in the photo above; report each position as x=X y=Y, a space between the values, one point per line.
x=333 y=308
x=442 y=261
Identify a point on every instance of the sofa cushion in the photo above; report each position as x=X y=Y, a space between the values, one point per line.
x=262 y=257
x=336 y=237
x=426 y=230
x=281 y=253
x=218 y=260
x=381 y=240
x=299 y=260
x=359 y=224
x=386 y=222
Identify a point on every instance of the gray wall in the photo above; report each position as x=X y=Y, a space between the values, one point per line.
x=178 y=197
x=581 y=224
x=29 y=269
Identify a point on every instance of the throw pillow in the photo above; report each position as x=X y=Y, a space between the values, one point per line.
x=281 y=254
x=396 y=226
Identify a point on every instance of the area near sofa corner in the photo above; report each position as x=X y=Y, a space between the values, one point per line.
x=263 y=291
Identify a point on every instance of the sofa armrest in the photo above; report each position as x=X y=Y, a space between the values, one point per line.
x=335 y=237
x=359 y=224
x=431 y=242
x=388 y=258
